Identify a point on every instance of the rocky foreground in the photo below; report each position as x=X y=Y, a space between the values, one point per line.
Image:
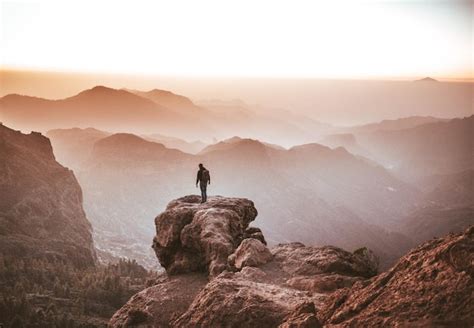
x=220 y=273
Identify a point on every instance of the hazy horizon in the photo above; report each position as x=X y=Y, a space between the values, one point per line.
x=339 y=135
x=334 y=101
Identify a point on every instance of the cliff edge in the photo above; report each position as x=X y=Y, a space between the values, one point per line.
x=219 y=272
x=41 y=213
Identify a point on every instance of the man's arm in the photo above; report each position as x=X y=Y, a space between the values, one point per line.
x=198 y=177
x=209 y=177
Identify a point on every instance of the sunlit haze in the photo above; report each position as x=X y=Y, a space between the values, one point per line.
x=325 y=39
x=338 y=136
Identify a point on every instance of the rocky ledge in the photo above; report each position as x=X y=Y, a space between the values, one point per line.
x=195 y=237
x=220 y=273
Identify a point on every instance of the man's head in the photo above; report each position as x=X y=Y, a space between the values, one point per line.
x=201 y=166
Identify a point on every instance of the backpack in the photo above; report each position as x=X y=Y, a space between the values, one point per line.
x=205 y=177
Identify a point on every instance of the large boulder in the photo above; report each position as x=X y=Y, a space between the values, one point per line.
x=432 y=286
x=230 y=301
x=251 y=252
x=298 y=259
x=191 y=236
x=158 y=305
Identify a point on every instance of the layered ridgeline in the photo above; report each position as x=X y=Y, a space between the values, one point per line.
x=41 y=203
x=309 y=193
x=219 y=272
x=437 y=157
x=48 y=265
x=156 y=111
x=417 y=153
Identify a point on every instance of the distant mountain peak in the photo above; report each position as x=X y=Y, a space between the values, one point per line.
x=100 y=89
x=233 y=139
x=125 y=137
x=427 y=79
x=165 y=98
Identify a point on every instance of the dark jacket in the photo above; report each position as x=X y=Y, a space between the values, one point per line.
x=200 y=177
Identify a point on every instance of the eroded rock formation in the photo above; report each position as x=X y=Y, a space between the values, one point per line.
x=233 y=280
x=191 y=236
x=219 y=272
x=432 y=286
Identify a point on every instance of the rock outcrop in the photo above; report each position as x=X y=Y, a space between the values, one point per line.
x=432 y=286
x=191 y=236
x=235 y=281
x=219 y=272
x=160 y=304
x=237 y=302
x=251 y=252
x=298 y=259
x=41 y=213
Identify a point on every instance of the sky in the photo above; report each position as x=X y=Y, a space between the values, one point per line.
x=206 y=38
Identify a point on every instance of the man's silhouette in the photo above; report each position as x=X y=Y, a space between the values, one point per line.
x=204 y=178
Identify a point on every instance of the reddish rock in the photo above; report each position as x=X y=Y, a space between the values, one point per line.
x=303 y=316
x=430 y=286
x=299 y=286
x=251 y=252
x=256 y=233
x=158 y=305
x=228 y=301
x=298 y=259
x=322 y=283
x=191 y=236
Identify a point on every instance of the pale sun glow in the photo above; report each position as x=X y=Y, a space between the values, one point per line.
x=328 y=39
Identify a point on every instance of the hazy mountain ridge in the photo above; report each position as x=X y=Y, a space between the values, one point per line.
x=428 y=149
x=396 y=124
x=73 y=146
x=418 y=153
x=126 y=178
x=125 y=182
x=447 y=207
x=176 y=143
x=154 y=111
x=100 y=107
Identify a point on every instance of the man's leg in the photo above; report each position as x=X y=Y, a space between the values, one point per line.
x=203 y=193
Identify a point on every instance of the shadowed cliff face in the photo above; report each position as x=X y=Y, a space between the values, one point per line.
x=41 y=212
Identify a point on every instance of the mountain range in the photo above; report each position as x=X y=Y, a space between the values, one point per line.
x=88 y=194
x=154 y=112
x=364 y=188
x=327 y=193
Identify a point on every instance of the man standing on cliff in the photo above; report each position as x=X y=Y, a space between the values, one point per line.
x=204 y=178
